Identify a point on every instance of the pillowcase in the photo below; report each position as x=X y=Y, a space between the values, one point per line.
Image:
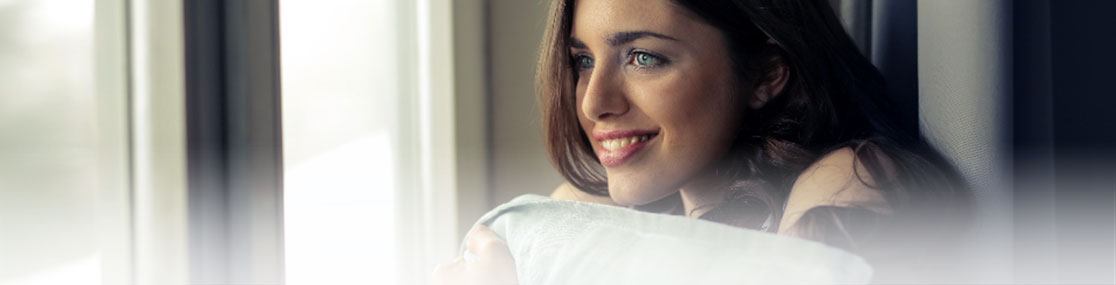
x=571 y=242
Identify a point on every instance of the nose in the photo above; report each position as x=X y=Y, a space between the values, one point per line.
x=604 y=96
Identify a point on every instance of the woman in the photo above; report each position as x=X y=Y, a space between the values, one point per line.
x=756 y=113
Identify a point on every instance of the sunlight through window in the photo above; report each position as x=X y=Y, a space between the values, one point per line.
x=339 y=115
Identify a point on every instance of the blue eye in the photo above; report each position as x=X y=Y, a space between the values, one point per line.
x=645 y=60
x=582 y=62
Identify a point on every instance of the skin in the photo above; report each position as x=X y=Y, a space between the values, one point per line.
x=687 y=91
x=678 y=81
x=493 y=264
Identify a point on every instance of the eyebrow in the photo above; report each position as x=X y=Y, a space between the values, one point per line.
x=623 y=38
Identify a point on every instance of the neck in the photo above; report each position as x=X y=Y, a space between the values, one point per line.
x=697 y=200
x=703 y=193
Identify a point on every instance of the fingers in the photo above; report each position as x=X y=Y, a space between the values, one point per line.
x=449 y=266
x=448 y=272
x=480 y=239
x=493 y=262
x=484 y=242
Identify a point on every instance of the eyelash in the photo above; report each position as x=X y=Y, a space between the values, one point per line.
x=576 y=61
x=632 y=58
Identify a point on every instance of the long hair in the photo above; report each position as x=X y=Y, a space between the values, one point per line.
x=834 y=98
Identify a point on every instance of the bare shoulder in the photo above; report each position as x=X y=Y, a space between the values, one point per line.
x=834 y=180
x=565 y=191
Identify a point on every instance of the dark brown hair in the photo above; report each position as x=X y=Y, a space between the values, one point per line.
x=834 y=98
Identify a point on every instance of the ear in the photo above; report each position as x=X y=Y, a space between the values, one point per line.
x=770 y=84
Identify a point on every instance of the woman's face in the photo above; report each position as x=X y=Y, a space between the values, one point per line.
x=656 y=92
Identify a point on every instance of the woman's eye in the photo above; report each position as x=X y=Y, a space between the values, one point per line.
x=643 y=59
x=582 y=62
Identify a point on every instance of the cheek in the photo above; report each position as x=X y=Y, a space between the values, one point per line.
x=699 y=118
x=694 y=110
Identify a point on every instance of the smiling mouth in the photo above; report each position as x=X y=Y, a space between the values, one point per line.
x=618 y=147
x=615 y=144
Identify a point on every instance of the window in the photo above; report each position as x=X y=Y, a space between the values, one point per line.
x=51 y=137
x=368 y=140
x=340 y=89
x=100 y=146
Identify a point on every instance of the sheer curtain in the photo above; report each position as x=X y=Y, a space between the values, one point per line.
x=948 y=68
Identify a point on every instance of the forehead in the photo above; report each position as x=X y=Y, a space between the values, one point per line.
x=595 y=20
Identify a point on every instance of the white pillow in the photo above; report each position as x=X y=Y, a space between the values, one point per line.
x=569 y=242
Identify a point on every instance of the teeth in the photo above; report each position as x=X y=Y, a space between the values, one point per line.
x=619 y=143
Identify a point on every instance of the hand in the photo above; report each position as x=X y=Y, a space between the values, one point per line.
x=493 y=263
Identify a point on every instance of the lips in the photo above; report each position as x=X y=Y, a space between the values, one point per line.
x=619 y=146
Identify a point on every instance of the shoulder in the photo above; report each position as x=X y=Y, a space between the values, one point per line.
x=565 y=191
x=835 y=180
